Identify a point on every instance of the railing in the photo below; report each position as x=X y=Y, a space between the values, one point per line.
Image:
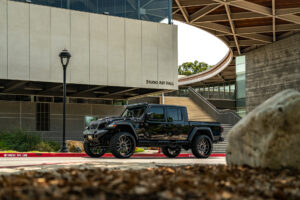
x=221 y=95
x=222 y=116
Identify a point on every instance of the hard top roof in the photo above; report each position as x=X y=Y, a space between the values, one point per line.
x=151 y=104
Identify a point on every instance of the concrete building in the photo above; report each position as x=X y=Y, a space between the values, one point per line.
x=119 y=49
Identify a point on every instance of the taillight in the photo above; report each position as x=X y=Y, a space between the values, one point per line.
x=222 y=129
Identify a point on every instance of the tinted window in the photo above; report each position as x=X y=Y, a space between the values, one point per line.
x=174 y=114
x=158 y=113
x=136 y=112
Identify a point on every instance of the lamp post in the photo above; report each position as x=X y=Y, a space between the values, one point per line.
x=64 y=59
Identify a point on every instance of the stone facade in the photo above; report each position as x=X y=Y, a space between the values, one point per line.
x=271 y=69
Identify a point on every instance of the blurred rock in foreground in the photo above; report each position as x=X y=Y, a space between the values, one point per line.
x=163 y=183
x=74 y=146
x=269 y=136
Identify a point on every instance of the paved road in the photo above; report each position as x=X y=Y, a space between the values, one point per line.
x=15 y=165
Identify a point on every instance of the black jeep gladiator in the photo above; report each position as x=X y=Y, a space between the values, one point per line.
x=151 y=125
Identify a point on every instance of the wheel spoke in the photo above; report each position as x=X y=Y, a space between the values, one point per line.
x=203 y=147
x=124 y=145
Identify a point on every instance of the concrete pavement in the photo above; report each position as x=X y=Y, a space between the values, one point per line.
x=16 y=165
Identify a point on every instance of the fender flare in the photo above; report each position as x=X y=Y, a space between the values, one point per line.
x=196 y=129
x=130 y=126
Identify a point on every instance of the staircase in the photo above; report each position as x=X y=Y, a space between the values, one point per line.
x=222 y=116
x=221 y=147
x=195 y=112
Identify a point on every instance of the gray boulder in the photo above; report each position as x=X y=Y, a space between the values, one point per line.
x=269 y=136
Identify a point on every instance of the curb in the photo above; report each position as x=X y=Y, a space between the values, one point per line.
x=107 y=155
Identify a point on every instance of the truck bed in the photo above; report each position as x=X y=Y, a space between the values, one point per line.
x=215 y=127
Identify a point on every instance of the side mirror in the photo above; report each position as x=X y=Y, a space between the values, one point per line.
x=150 y=116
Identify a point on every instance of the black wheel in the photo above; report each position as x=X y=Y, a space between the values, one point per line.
x=122 y=145
x=93 y=150
x=171 y=152
x=202 y=146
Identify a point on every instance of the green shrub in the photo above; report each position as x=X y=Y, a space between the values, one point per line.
x=21 y=141
x=54 y=145
x=43 y=147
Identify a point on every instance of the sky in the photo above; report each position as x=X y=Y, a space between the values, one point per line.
x=196 y=44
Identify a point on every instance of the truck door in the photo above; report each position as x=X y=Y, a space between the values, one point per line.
x=155 y=123
x=177 y=127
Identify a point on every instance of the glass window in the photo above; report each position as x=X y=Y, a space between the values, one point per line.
x=135 y=112
x=42 y=116
x=227 y=88
x=80 y=5
x=158 y=113
x=93 y=6
x=155 y=10
x=232 y=87
x=174 y=114
x=40 y=2
x=131 y=9
x=150 y=10
x=56 y=3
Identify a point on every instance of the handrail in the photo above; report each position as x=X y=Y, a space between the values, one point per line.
x=207 y=73
x=223 y=116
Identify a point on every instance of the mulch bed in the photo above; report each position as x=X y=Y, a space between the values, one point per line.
x=176 y=183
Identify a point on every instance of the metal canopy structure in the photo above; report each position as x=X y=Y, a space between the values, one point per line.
x=49 y=89
x=242 y=24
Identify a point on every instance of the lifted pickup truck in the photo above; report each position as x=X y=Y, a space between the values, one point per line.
x=151 y=125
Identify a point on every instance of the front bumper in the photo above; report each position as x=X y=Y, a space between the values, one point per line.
x=90 y=136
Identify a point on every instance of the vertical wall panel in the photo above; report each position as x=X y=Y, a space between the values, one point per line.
x=149 y=53
x=133 y=39
x=3 y=39
x=39 y=43
x=80 y=68
x=98 y=49
x=105 y=50
x=165 y=56
x=18 y=40
x=60 y=39
x=116 y=51
x=175 y=56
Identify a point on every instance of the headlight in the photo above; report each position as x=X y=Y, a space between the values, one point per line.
x=112 y=125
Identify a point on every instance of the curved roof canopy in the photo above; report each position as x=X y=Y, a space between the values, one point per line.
x=242 y=24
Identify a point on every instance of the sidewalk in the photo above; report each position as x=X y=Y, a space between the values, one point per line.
x=146 y=153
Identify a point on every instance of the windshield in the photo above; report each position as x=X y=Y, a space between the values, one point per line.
x=93 y=125
x=135 y=112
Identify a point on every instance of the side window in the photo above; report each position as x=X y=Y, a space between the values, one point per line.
x=180 y=116
x=158 y=113
x=174 y=114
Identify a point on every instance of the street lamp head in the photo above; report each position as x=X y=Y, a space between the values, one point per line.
x=64 y=57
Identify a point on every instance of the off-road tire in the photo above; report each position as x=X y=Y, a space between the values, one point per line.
x=87 y=148
x=202 y=146
x=171 y=152
x=116 y=145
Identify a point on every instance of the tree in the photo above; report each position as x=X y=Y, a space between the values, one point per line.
x=189 y=68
